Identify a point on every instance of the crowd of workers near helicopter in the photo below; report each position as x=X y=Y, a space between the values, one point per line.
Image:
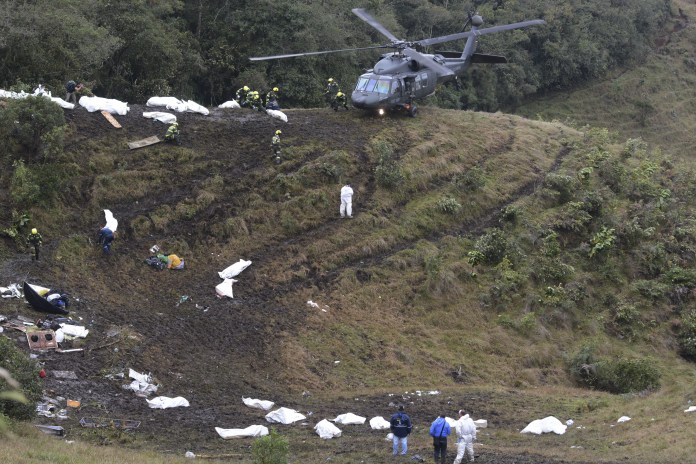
x=248 y=98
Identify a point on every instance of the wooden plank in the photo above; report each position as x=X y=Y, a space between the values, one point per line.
x=111 y=119
x=144 y=142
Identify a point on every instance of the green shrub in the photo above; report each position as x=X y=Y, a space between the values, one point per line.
x=24 y=185
x=602 y=241
x=470 y=181
x=563 y=185
x=448 y=205
x=572 y=217
x=271 y=449
x=613 y=375
x=24 y=371
x=687 y=336
x=388 y=172
x=492 y=246
x=651 y=289
x=510 y=213
x=33 y=126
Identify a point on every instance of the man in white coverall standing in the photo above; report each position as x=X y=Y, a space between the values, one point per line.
x=346 y=201
x=466 y=434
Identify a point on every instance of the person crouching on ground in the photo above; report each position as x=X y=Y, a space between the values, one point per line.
x=105 y=238
x=172 y=261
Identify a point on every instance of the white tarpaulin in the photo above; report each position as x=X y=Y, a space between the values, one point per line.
x=690 y=409
x=284 y=416
x=163 y=402
x=545 y=425
x=349 y=419
x=258 y=404
x=74 y=330
x=11 y=291
x=37 y=93
x=379 y=423
x=175 y=104
x=623 y=419
x=251 y=431
x=160 y=116
x=234 y=269
x=93 y=104
x=141 y=383
x=277 y=114
x=225 y=288
x=327 y=430
x=451 y=422
x=230 y=104
x=111 y=221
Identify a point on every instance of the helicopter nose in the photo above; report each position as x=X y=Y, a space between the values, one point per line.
x=359 y=99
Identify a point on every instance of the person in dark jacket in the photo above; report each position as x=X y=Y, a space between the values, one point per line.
x=439 y=430
x=106 y=236
x=400 y=425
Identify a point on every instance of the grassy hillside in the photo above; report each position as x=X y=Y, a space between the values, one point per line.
x=519 y=267
x=654 y=101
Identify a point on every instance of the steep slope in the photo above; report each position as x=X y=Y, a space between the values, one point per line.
x=401 y=308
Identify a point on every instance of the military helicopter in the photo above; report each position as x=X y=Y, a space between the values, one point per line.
x=405 y=75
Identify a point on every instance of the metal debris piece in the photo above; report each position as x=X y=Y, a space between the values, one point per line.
x=56 y=430
x=67 y=375
x=96 y=422
x=42 y=340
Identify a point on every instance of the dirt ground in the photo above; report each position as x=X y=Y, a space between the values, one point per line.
x=208 y=350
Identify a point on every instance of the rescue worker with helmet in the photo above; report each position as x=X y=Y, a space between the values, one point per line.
x=172 y=134
x=332 y=89
x=242 y=95
x=275 y=145
x=272 y=99
x=339 y=100
x=35 y=240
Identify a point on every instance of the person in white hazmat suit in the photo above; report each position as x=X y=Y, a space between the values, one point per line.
x=466 y=434
x=346 y=209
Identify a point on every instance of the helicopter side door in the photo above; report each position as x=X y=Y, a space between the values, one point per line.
x=424 y=84
x=396 y=91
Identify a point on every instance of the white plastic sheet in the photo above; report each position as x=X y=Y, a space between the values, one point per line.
x=74 y=330
x=93 y=104
x=284 y=416
x=141 y=383
x=234 y=270
x=164 y=402
x=232 y=104
x=111 y=221
x=690 y=409
x=349 y=419
x=160 y=116
x=37 y=93
x=175 y=104
x=277 y=114
x=327 y=430
x=225 y=288
x=11 y=291
x=623 y=419
x=251 y=431
x=452 y=422
x=545 y=425
x=379 y=423
x=258 y=404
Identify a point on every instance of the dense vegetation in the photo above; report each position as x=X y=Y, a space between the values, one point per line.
x=135 y=49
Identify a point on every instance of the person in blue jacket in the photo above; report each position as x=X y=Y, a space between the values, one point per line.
x=106 y=237
x=400 y=426
x=439 y=430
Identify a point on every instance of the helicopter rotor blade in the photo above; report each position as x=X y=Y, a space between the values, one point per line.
x=292 y=55
x=476 y=32
x=427 y=62
x=365 y=16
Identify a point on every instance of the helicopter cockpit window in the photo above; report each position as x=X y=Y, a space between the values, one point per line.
x=362 y=83
x=396 y=87
x=383 y=86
